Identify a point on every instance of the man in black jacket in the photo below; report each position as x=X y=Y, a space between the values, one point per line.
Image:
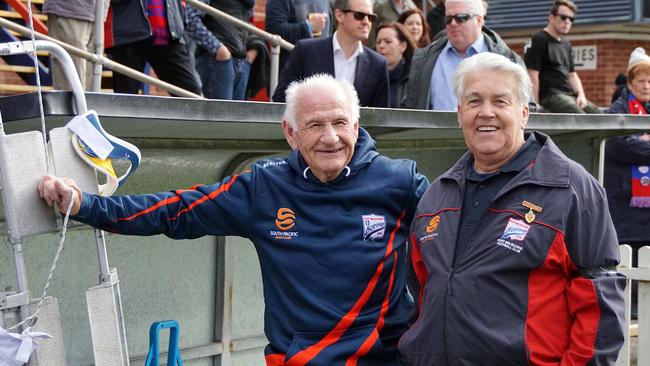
x=343 y=55
x=221 y=53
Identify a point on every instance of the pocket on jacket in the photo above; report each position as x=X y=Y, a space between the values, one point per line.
x=343 y=344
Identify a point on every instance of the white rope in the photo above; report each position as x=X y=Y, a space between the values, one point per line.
x=38 y=81
x=34 y=317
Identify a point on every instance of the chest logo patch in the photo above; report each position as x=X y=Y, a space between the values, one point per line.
x=516 y=230
x=433 y=224
x=285 y=219
x=374 y=227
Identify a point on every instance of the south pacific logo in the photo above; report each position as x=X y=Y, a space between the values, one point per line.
x=286 y=219
x=433 y=224
x=430 y=232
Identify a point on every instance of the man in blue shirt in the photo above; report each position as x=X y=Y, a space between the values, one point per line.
x=432 y=68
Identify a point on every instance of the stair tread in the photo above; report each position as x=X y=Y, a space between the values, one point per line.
x=21 y=88
x=17 y=68
x=16 y=15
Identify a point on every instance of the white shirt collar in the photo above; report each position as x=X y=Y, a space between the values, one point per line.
x=337 y=47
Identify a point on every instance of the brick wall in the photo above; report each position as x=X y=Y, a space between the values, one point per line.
x=613 y=55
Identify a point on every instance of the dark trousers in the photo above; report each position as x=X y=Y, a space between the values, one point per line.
x=171 y=63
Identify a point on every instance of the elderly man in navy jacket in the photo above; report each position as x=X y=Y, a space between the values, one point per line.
x=343 y=56
x=329 y=222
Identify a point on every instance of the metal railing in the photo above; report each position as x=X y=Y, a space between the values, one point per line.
x=275 y=40
x=98 y=60
x=110 y=64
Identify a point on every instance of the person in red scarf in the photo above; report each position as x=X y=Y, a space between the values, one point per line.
x=627 y=163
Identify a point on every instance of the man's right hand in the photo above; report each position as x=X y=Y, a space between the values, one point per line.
x=317 y=22
x=58 y=191
x=223 y=53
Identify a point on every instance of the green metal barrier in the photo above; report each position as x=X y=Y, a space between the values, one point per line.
x=212 y=286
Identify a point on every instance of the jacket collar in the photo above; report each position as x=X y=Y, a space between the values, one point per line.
x=365 y=151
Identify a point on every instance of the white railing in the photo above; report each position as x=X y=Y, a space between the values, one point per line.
x=642 y=328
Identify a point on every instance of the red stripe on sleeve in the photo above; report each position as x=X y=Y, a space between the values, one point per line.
x=223 y=188
x=303 y=357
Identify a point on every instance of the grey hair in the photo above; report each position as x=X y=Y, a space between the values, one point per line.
x=345 y=94
x=488 y=61
x=474 y=7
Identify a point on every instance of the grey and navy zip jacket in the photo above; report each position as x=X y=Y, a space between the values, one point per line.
x=333 y=256
x=538 y=289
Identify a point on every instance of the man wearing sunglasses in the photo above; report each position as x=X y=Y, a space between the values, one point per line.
x=432 y=68
x=343 y=56
x=556 y=85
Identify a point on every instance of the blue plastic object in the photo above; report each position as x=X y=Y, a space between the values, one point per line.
x=173 y=355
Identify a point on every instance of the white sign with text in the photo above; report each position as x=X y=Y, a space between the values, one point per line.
x=585 y=57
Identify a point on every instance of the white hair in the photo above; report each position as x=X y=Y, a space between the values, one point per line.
x=488 y=61
x=474 y=7
x=344 y=92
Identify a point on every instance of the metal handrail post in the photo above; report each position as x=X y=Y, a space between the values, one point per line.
x=68 y=69
x=15 y=48
x=99 y=46
x=275 y=68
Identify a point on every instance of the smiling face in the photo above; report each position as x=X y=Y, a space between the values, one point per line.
x=390 y=46
x=413 y=24
x=325 y=135
x=492 y=118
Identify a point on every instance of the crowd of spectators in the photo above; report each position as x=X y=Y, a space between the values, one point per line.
x=208 y=56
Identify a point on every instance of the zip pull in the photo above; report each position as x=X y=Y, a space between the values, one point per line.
x=451 y=272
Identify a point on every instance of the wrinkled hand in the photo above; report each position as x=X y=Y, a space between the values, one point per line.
x=581 y=101
x=58 y=191
x=317 y=21
x=223 y=53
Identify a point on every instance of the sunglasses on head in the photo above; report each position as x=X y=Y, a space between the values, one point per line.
x=459 y=18
x=359 y=15
x=565 y=17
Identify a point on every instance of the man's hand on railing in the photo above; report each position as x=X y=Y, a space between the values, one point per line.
x=223 y=53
